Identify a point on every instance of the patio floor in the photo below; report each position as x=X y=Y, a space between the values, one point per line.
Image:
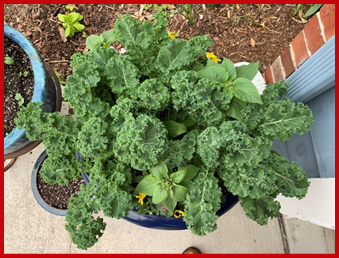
x=28 y=228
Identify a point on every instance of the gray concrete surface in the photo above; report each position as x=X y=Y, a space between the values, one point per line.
x=30 y=229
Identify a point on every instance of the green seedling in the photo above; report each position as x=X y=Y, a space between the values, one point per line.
x=71 y=23
x=187 y=11
x=20 y=99
x=9 y=60
x=24 y=74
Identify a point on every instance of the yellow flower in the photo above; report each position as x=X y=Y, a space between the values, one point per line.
x=141 y=197
x=178 y=213
x=214 y=58
x=172 y=35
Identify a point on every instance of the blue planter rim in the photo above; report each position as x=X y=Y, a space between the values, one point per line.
x=39 y=78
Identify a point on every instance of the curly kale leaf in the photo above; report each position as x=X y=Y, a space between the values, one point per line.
x=203 y=100
x=101 y=56
x=85 y=230
x=202 y=202
x=151 y=95
x=260 y=209
x=285 y=118
x=199 y=44
x=208 y=145
x=112 y=180
x=278 y=118
x=141 y=40
x=60 y=169
x=79 y=87
x=132 y=32
x=121 y=74
x=122 y=111
x=87 y=144
x=174 y=56
x=180 y=152
x=257 y=186
x=140 y=142
x=291 y=180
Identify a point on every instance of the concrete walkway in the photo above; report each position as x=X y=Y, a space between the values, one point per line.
x=30 y=229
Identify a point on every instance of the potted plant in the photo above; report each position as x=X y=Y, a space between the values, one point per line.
x=167 y=130
x=53 y=198
x=46 y=90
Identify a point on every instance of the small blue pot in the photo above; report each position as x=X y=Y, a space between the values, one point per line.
x=46 y=90
x=34 y=186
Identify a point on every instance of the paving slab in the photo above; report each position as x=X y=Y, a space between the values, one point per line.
x=235 y=234
x=304 y=237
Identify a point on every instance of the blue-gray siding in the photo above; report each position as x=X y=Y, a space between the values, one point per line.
x=314 y=84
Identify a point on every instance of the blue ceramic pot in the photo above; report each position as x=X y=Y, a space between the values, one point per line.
x=172 y=223
x=162 y=222
x=46 y=90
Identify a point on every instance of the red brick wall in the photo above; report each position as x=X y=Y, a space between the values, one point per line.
x=318 y=30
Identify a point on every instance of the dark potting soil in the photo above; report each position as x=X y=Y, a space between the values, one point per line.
x=58 y=196
x=18 y=78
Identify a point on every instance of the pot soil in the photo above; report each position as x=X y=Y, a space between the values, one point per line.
x=18 y=79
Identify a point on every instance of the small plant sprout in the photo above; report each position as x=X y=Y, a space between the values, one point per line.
x=9 y=60
x=20 y=99
x=24 y=74
x=71 y=23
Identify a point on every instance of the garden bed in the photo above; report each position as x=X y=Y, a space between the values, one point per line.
x=241 y=32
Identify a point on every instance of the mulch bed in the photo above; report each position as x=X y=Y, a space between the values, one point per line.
x=246 y=32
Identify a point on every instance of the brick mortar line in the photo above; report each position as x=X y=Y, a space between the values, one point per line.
x=321 y=26
x=282 y=68
x=306 y=43
x=293 y=57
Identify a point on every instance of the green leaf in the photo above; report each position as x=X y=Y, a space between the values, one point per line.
x=147 y=185
x=122 y=74
x=159 y=171
x=214 y=73
x=245 y=90
x=174 y=56
x=312 y=10
x=230 y=68
x=191 y=172
x=62 y=17
x=20 y=99
x=131 y=32
x=178 y=176
x=9 y=60
x=159 y=195
x=175 y=129
x=260 y=209
x=247 y=71
x=69 y=7
x=69 y=32
x=297 y=9
x=108 y=35
x=78 y=26
x=236 y=106
x=141 y=142
x=179 y=193
x=74 y=17
x=169 y=203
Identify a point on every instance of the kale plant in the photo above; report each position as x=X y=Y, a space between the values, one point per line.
x=162 y=128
